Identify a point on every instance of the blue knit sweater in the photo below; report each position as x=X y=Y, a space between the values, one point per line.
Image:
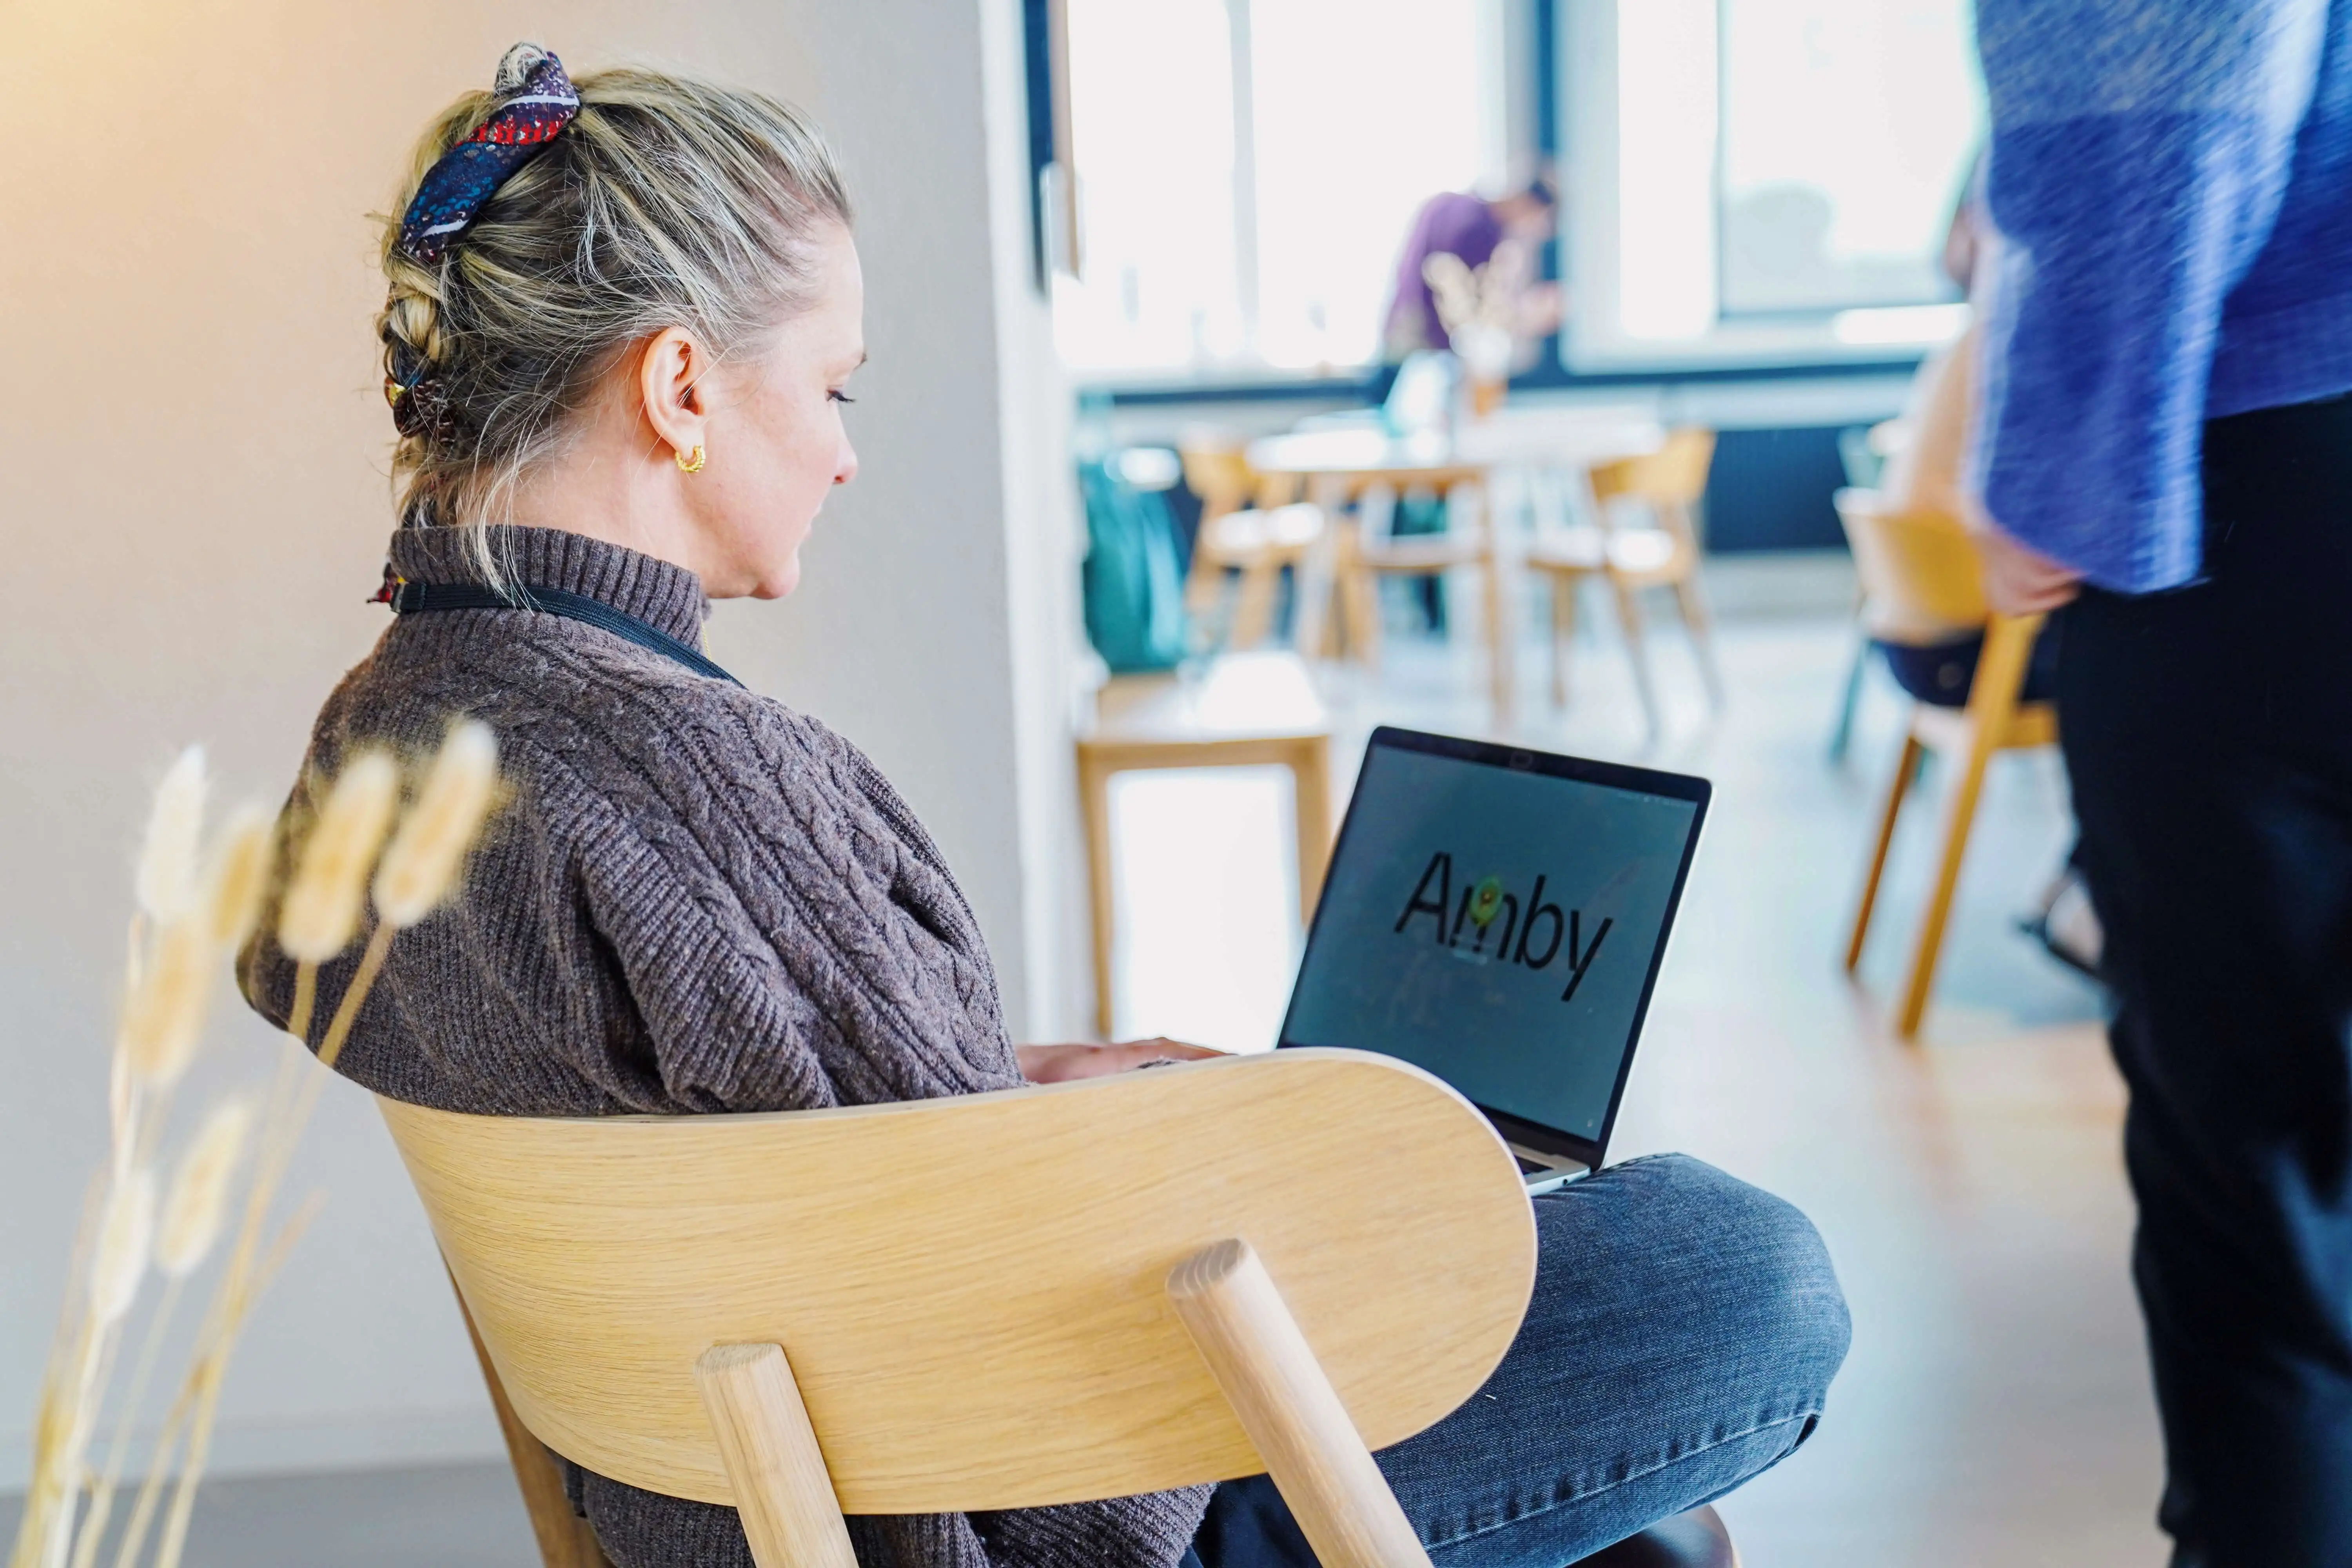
x=2172 y=185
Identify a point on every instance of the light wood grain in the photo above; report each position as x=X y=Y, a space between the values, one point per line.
x=1311 y=1448
x=972 y=1290
x=790 y=1516
x=564 y=1539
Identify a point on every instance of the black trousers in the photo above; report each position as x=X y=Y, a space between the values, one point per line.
x=2209 y=734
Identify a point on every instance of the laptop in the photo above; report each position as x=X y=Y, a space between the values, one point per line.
x=1496 y=916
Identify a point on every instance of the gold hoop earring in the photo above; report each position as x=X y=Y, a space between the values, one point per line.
x=690 y=462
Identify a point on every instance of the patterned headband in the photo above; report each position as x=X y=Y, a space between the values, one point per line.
x=538 y=102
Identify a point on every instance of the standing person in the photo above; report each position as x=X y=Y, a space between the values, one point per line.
x=2165 y=448
x=1457 y=222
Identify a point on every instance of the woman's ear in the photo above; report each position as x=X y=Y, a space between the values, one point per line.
x=669 y=376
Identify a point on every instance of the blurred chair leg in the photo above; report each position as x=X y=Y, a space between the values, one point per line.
x=1094 y=800
x=1907 y=768
x=1495 y=609
x=1563 y=628
x=1692 y=602
x=1362 y=602
x=1842 y=737
x=1310 y=782
x=1254 y=605
x=1629 y=617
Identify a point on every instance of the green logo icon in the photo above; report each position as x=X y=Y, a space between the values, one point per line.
x=1485 y=902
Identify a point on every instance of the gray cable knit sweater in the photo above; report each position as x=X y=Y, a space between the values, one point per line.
x=697 y=900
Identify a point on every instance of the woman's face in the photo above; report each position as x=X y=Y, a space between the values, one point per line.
x=776 y=446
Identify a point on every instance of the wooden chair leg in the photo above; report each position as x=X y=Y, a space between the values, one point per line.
x=1842 y=734
x=1993 y=706
x=1292 y=1414
x=1361 y=589
x=1907 y=768
x=1629 y=617
x=1094 y=804
x=1495 y=609
x=1563 y=629
x=565 y=1540
x=781 y=1488
x=1254 y=605
x=1310 y=780
x=1692 y=602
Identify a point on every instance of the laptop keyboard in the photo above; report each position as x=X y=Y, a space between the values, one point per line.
x=1531 y=1167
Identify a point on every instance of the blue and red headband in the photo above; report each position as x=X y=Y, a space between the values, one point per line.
x=537 y=101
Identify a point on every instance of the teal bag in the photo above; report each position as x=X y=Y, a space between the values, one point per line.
x=1133 y=581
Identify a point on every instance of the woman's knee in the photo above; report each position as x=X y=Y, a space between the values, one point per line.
x=1739 y=1267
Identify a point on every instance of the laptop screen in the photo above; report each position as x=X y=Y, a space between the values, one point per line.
x=1496 y=917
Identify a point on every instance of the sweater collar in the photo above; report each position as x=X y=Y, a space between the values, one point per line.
x=665 y=596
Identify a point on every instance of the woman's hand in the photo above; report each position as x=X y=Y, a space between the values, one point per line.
x=1060 y=1064
x=2020 y=580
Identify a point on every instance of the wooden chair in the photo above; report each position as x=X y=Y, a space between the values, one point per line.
x=1921 y=568
x=1003 y=1300
x=1248 y=709
x=1248 y=526
x=1662 y=552
x=1369 y=552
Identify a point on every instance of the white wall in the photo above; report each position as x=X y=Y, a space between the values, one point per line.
x=195 y=507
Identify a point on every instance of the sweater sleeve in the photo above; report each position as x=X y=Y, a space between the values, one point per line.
x=783 y=947
x=2140 y=150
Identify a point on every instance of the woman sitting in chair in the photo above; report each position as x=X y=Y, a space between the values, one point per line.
x=621 y=320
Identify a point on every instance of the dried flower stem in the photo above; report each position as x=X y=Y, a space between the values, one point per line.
x=355 y=995
x=101 y=1502
x=211 y=1370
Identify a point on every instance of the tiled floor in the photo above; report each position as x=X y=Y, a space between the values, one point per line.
x=1995 y=1407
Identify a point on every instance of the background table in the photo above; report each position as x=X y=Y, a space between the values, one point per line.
x=1338 y=461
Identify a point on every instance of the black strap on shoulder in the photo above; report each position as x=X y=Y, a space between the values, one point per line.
x=413 y=598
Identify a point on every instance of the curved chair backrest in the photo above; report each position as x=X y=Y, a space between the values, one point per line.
x=1219 y=474
x=1672 y=475
x=1916 y=568
x=973 y=1293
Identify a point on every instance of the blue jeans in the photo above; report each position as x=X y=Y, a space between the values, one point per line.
x=1682 y=1338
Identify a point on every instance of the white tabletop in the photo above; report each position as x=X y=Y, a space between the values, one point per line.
x=1565 y=437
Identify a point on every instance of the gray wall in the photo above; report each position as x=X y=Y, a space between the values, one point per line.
x=195 y=505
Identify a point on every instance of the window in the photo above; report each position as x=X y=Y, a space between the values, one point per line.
x=1248 y=171
x=1761 y=180
x=1848 y=126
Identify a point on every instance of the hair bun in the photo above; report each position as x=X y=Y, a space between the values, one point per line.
x=515 y=66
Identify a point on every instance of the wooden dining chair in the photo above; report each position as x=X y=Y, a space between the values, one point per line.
x=1372 y=549
x=1921 y=569
x=1038 y=1296
x=1250 y=526
x=1660 y=551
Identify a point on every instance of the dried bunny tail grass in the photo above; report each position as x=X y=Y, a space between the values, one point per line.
x=239 y=877
x=323 y=902
x=420 y=865
x=163 y=1020
x=166 y=878
x=125 y=1234
x=198 y=1201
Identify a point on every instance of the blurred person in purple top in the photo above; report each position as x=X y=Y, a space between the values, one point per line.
x=2163 y=449
x=1457 y=222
